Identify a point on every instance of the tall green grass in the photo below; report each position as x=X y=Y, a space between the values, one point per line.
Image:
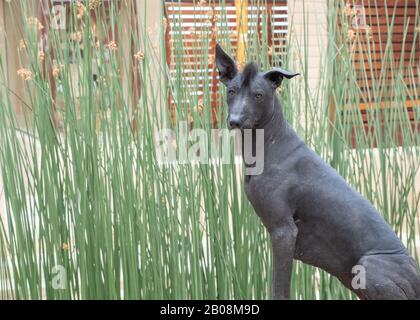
x=84 y=190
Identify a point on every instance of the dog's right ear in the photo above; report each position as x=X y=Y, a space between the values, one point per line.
x=226 y=66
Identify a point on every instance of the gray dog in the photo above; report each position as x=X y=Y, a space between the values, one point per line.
x=310 y=211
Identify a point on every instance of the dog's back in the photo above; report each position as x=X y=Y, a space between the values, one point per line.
x=339 y=229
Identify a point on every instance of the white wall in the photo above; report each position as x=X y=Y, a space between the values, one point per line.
x=308 y=19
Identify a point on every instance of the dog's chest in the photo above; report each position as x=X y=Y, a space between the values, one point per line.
x=257 y=191
x=265 y=186
x=267 y=194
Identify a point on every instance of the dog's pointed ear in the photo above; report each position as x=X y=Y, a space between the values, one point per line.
x=276 y=75
x=226 y=66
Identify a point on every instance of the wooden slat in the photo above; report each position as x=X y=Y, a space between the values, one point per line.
x=387 y=104
x=388 y=4
x=388 y=81
x=383 y=11
x=379 y=65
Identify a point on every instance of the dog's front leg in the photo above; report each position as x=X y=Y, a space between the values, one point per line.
x=283 y=243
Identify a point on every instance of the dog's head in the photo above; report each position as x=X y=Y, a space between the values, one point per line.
x=250 y=94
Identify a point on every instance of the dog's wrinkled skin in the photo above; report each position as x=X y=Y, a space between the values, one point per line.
x=310 y=211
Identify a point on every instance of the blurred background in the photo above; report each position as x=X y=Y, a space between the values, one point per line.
x=86 y=209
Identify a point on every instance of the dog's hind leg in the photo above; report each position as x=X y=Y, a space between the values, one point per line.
x=390 y=277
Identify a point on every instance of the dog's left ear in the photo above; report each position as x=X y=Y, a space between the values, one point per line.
x=276 y=75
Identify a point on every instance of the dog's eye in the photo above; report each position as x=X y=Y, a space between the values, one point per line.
x=258 y=96
x=231 y=92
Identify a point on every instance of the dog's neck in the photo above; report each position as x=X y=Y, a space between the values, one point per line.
x=276 y=132
x=274 y=124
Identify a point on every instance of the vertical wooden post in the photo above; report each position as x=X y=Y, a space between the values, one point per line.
x=242 y=30
x=45 y=11
x=3 y=47
x=135 y=71
x=168 y=60
x=214 y=81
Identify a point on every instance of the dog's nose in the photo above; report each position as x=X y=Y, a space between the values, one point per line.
x=234 y=123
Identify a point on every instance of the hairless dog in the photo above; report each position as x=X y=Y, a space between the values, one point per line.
x=309 y=210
